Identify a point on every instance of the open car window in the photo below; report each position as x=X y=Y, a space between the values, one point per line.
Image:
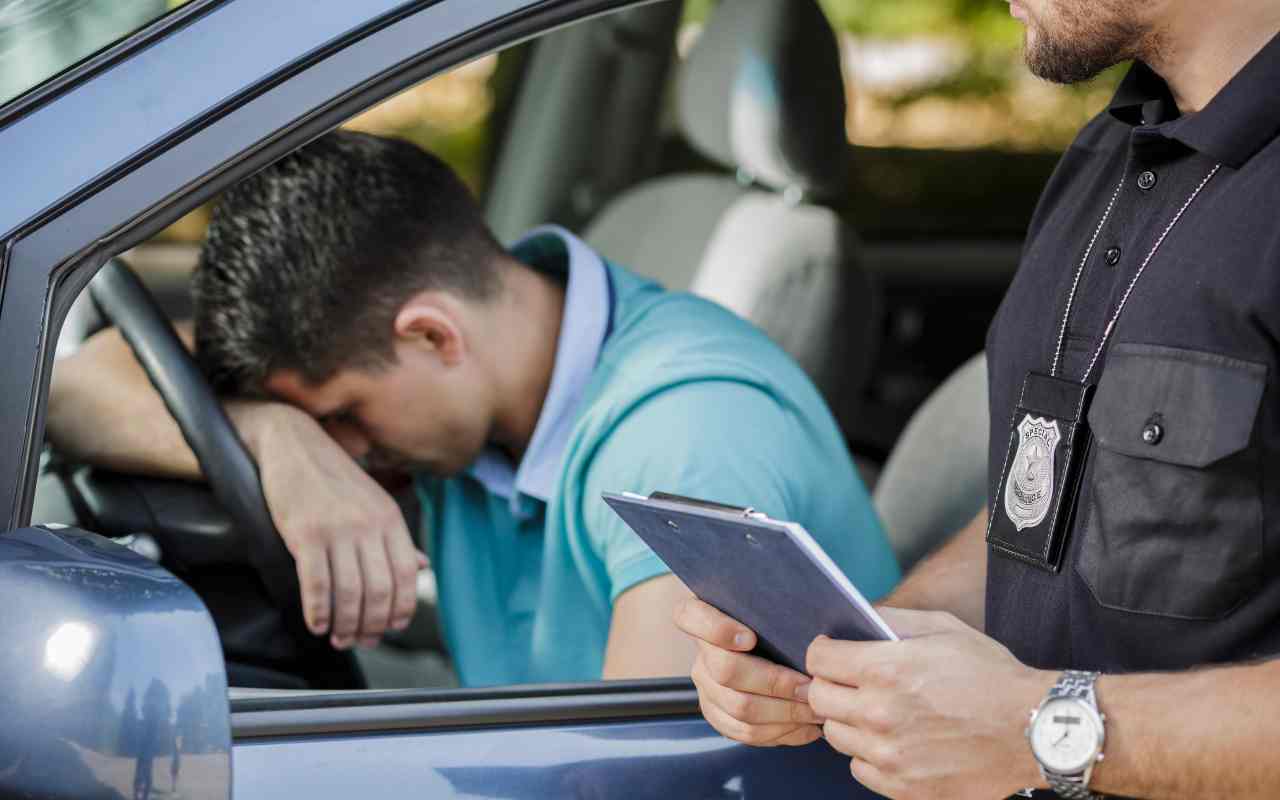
x=515 y=126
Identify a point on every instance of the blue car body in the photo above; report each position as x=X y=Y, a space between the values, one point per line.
x=113 y=682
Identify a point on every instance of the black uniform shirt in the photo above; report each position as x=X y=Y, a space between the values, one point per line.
x=1174 y=554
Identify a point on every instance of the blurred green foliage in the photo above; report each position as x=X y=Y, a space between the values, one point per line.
x=991 y=38
x=984 y=22
x=465 y=148
x=983 y=90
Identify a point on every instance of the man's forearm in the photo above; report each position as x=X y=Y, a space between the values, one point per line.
x=103 y=410
x=1198 y=734
x=951 y=579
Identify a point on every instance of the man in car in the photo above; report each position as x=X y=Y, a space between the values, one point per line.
x=354 y=302
x=1137 y=345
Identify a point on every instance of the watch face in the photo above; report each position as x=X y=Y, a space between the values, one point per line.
x=1065 y=736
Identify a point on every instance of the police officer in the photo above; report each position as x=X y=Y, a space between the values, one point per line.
x=1127 y=569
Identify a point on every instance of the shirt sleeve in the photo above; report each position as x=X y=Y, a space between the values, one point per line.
x=709 y=439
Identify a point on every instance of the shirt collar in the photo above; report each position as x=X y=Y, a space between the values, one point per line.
x=1242 y=118
x=583 y=329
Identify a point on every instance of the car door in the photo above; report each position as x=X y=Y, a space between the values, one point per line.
x=125 y=143
x=634 y=739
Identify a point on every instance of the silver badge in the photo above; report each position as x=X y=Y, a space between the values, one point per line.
x=1028 y=490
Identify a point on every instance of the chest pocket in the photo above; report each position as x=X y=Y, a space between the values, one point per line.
x=1175 y=515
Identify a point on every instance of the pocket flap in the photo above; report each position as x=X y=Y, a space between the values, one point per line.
x=1203 y=404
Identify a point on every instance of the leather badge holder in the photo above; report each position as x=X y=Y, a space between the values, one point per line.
x=1040 y=478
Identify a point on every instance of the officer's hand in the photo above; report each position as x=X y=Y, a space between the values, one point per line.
x=939 y=714
x=357 y=566
x=743 y=696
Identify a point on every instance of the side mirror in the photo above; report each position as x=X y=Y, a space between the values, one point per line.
x=112 y=679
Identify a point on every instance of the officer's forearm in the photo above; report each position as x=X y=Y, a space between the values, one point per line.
x=1200 y=734
x=952 y=579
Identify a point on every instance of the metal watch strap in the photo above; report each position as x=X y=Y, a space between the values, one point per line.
x=1077 y=684
x=1072 y=788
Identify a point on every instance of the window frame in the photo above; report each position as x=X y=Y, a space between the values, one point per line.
x=273 y=714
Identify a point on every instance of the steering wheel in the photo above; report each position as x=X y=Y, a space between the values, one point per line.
x=232 y=475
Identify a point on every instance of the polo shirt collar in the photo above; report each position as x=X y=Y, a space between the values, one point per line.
x=1242 y=118
x=583 y=329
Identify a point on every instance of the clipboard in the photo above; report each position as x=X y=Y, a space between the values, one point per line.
x=770 y=575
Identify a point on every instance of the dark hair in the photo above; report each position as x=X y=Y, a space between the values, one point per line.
x=306 y=263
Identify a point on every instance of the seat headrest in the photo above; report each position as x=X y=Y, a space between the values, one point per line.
x=762 y=91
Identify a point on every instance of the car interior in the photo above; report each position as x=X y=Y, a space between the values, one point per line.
x=720 y=165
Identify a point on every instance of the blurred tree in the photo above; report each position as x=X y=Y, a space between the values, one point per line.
x=970 y=87
x=446 y=115
x=936 y=74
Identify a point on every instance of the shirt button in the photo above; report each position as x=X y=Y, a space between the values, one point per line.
x=1146 y=180
x=1152 y=433
x=1112 y=256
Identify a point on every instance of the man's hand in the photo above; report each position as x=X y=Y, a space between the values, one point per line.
x=939 y=714
x=743 y=696
x=357 y=566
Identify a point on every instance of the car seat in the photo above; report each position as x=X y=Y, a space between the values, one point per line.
x=935 y=480
x=761 y=94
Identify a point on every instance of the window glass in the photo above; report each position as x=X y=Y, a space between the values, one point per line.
x=41 y=38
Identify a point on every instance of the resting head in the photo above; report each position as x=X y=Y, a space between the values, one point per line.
x=357 y=280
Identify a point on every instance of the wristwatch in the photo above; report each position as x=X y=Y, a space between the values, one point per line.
x=1066 y=734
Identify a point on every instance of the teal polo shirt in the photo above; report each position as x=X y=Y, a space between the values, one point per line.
x=651 y=391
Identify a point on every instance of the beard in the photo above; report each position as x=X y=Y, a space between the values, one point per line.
x=1078 y=44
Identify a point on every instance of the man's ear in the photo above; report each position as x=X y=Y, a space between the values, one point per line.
x=429 y=319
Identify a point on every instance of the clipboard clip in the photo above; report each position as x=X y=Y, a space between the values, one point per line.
x=749 y=512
